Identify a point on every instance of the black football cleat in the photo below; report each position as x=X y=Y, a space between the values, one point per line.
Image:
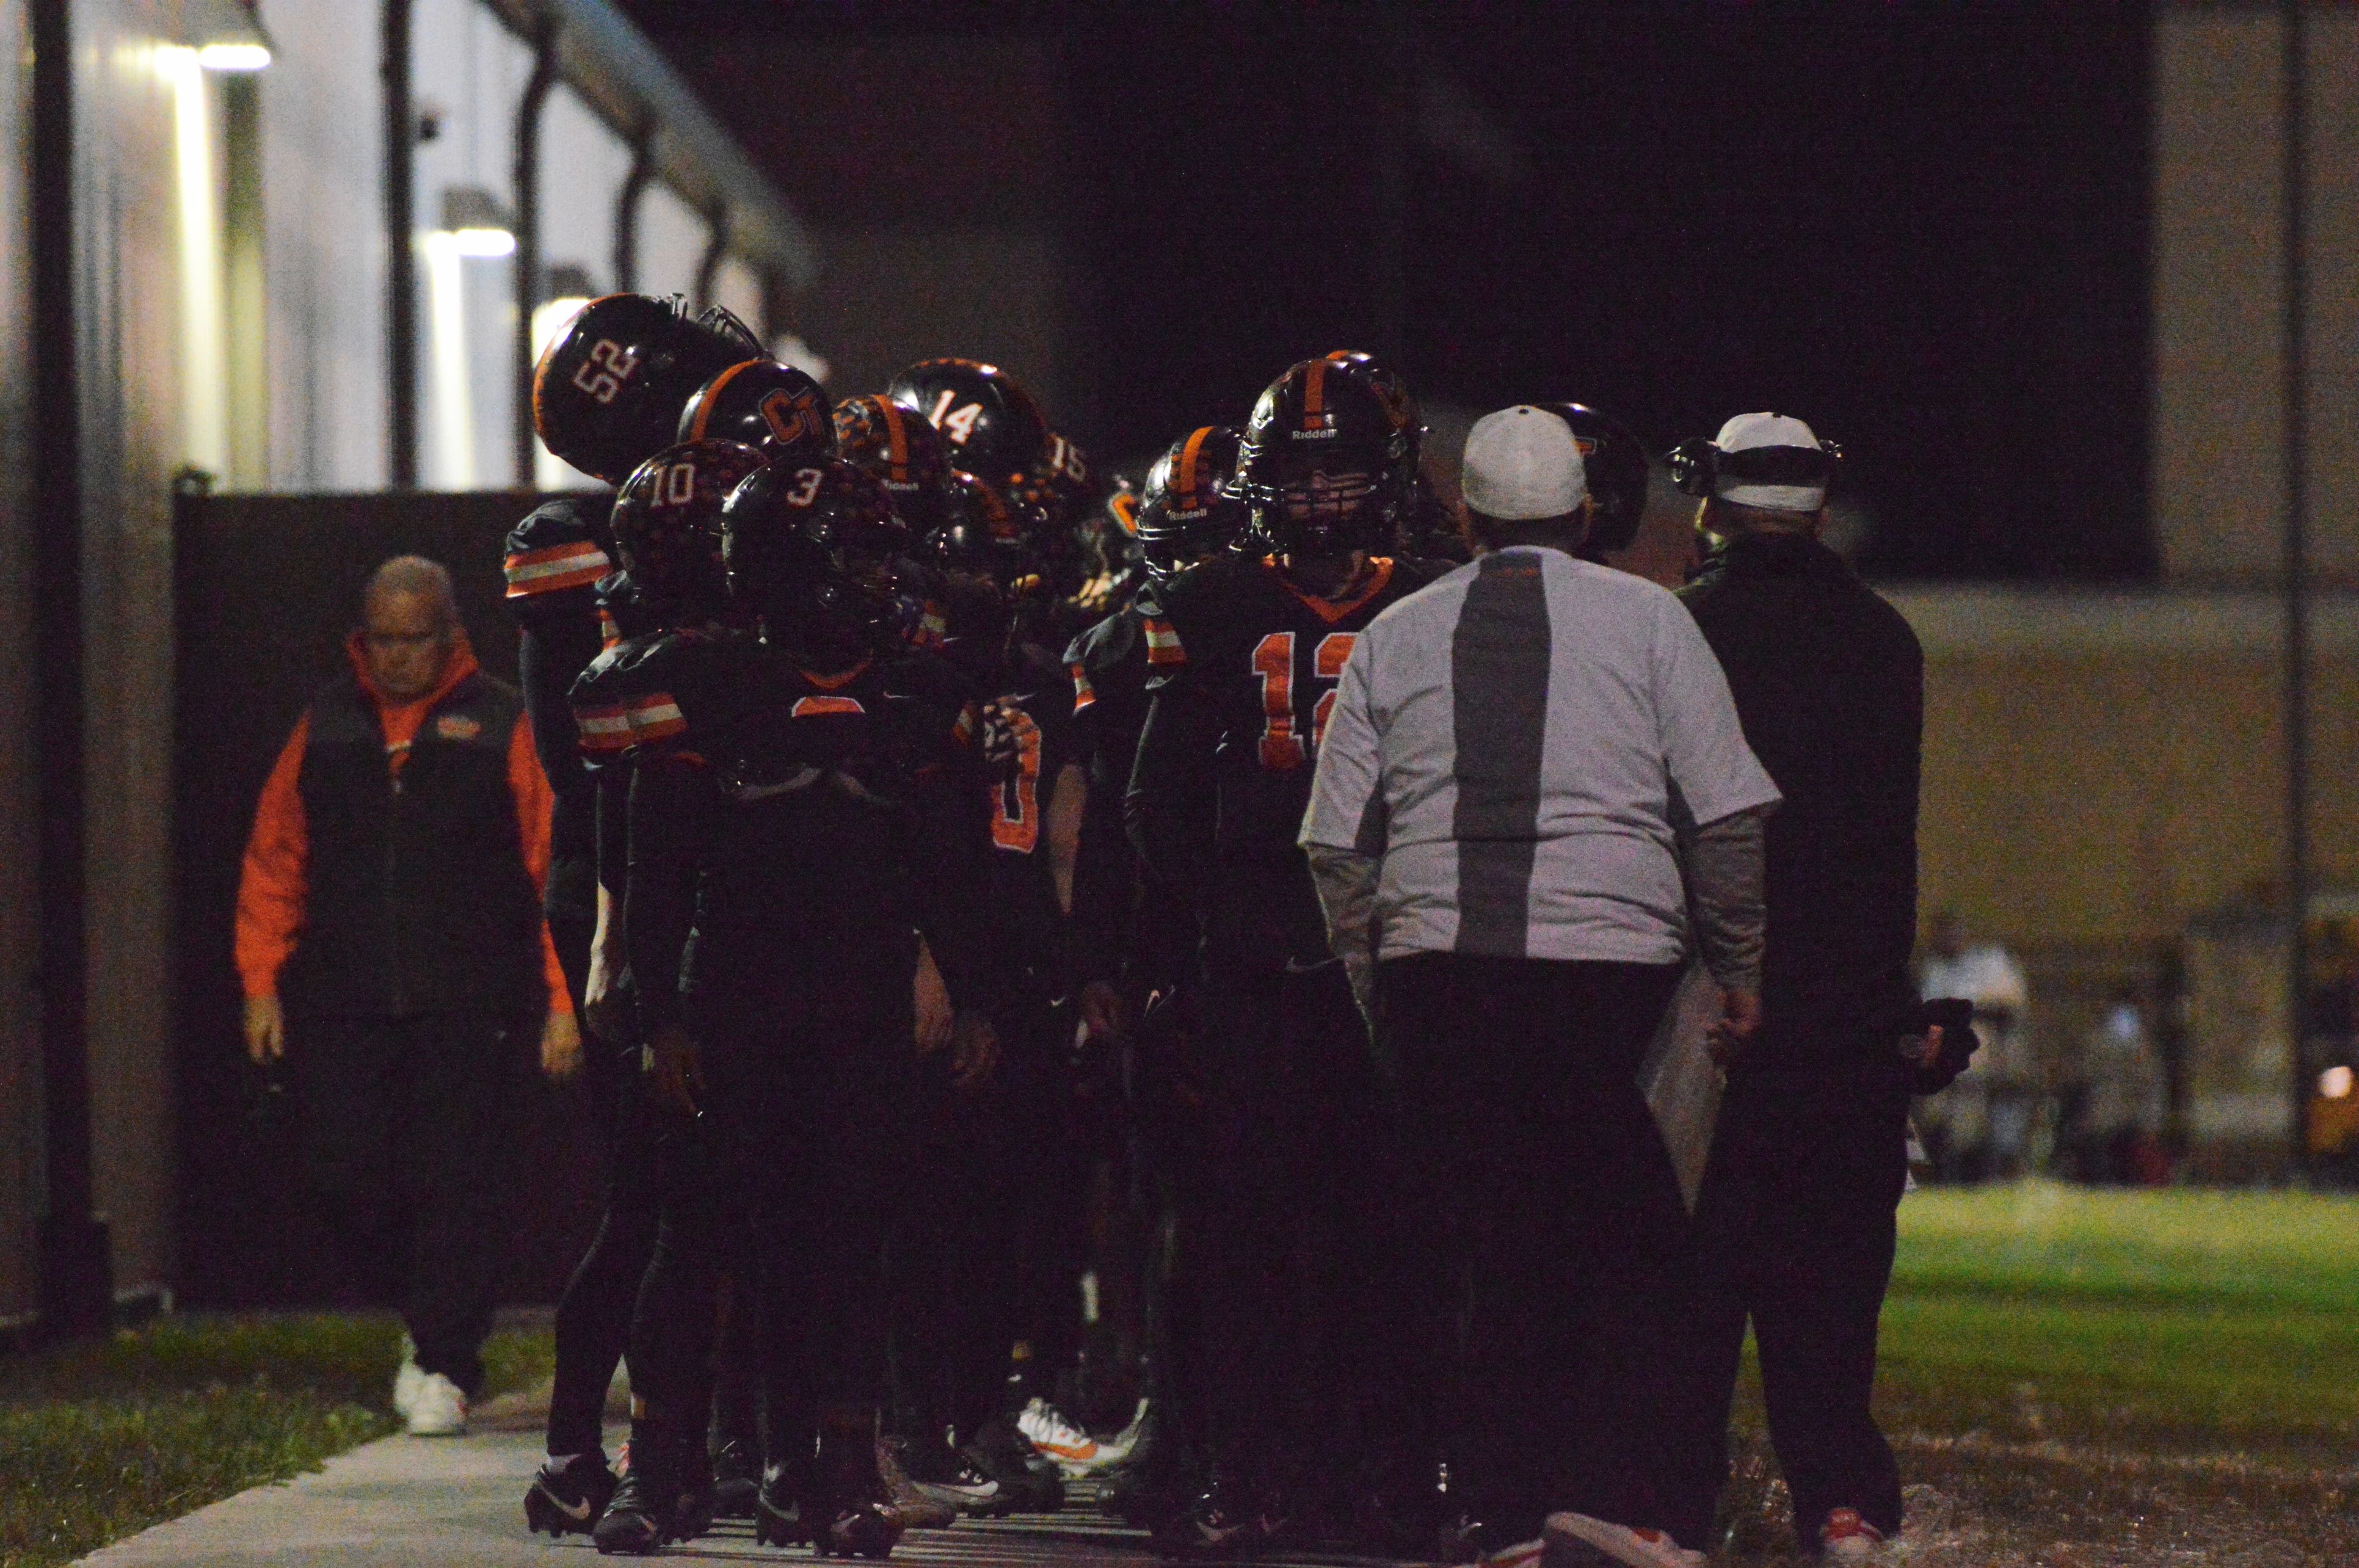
x=736 y=1481
x=637 y=1521
x=567 y=1497
x=777 y=1512
x=1029 y=1480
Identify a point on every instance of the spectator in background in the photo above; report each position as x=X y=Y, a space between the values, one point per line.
x=1981 y=1129
x=2115 y=1130
x=392 y=949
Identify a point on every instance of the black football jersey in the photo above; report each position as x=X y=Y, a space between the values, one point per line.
x=1266 y=657
x=1107 y=666
x=552 y=561
x=1027 y=740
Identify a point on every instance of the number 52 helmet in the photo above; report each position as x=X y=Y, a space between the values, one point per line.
x=1329 y=459
x=608 y=391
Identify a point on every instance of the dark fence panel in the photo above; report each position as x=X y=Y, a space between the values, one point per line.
x=268 y=586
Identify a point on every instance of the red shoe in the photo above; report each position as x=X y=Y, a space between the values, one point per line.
x=1847 y=1538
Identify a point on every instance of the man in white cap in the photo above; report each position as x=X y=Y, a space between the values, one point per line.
x=1532 y=774
x=1795 y=1222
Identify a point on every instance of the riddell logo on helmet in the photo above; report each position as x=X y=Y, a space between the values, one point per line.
x=1319 y=432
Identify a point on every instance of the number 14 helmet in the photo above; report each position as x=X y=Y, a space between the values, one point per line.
x=1329 y=458
x=992 y=423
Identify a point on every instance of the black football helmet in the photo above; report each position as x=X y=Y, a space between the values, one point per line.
x=891 y=441
x=607 y=392
x=667 y=527
x=1616 y=466
x=1328 y=460
x=765 y=405
x=994 y=426
x=1394 y=386
x=1190 y=509
x=816 y=555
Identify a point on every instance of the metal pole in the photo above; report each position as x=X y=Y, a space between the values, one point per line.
x=400 y=257
x=716 y=251
x=626 y=213
x=527 y=234
x=2296 y=569
x=77 y=1260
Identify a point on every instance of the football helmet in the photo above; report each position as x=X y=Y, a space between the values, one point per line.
x=607 y=392
x=993 y=424
x=667 y=527
x=1190 y=509
x=1327 y=459
x=765 y=405
x=816 y=555
x=1395 y=385
x=1616 y=465
x=901 y=449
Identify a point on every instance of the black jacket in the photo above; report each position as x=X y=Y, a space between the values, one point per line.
x=418 y=897
x=1830 y=684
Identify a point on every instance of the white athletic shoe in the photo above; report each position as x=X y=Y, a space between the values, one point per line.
x=439 y=1409
x=1577 y=1540
x=1523 y=1554
x=1076 y=1453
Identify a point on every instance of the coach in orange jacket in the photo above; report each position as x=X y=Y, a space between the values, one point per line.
x=391 y=946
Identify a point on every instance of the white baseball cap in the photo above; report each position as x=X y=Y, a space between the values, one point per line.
x=1758 y=432
x=1522 y=463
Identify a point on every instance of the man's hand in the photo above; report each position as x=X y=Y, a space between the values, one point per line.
x=1740 y=1019
x=678 y=1079
x=932 y=1000
x=560 y=1047
x=266 y=1030
x=1920 y=1051
x=1102 y=1012
x=974 y=1051
x=602 y=1005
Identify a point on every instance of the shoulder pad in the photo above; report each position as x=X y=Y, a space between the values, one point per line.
x=651 y=692
x=1190 y=605
x=558 y=547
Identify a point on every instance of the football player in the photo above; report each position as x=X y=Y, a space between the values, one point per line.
x=1618 y=468
x=606 y=394
x=1428 y=529
x=1244 y=657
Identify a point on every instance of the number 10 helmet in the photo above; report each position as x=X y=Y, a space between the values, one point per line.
x=667 y=526
x=1329 y=459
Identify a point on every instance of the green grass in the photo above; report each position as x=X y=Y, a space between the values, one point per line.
x=100 y=1440
x=2065 y=1362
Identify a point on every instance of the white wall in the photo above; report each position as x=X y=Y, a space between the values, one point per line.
x=126 y=237
x=583 y=167
x=324 y=251
x=672 y=237
x=20 y=1096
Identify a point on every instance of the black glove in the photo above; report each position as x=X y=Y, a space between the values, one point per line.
x=1958 y=1043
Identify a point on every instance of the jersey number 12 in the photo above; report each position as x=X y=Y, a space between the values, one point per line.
x=1273 y=660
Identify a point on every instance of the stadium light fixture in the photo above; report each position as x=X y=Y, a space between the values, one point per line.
x=2335 y=1083
x=476 y=223
x=227 y=35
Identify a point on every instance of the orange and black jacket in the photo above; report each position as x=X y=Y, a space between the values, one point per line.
x=399 y=854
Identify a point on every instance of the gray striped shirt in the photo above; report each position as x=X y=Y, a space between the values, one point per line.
x=1514 y=741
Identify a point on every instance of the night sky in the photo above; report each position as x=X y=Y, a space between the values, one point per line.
x=1924 y=233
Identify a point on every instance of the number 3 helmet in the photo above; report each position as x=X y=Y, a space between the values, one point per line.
x=608 y=391
x=993 y=424
x=1329 y=459
x=765 y=405
x=667 y=526
x=817 y=554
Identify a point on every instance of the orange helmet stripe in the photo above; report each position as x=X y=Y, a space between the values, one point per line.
x=896 y=441
x=712 y=395
x=1314 y=390
x=1187 y=475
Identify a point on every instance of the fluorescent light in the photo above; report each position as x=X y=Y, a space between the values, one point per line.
x=2335 y=1083
x=446 y=321
x=245 y=55
x=204 y=366
x=482 y=242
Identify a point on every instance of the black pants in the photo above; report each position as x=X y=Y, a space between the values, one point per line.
x=406 y=1124
x=1795 y=1229
x=989 y=1249
x=1543 y=1227
x=1274 y=1153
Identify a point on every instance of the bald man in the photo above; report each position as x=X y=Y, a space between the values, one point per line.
x=392 y=949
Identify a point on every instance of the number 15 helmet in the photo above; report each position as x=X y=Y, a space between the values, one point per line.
x=1328 y=460
x=608 y=391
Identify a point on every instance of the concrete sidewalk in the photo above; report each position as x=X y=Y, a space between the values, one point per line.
x=406 y=1502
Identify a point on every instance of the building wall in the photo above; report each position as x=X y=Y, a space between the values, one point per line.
x=2219 y=299
x=128 y=209
x=20 y=1096
x=2101 y=770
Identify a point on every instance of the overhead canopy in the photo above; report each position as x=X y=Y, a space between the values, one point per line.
x=621 y=74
